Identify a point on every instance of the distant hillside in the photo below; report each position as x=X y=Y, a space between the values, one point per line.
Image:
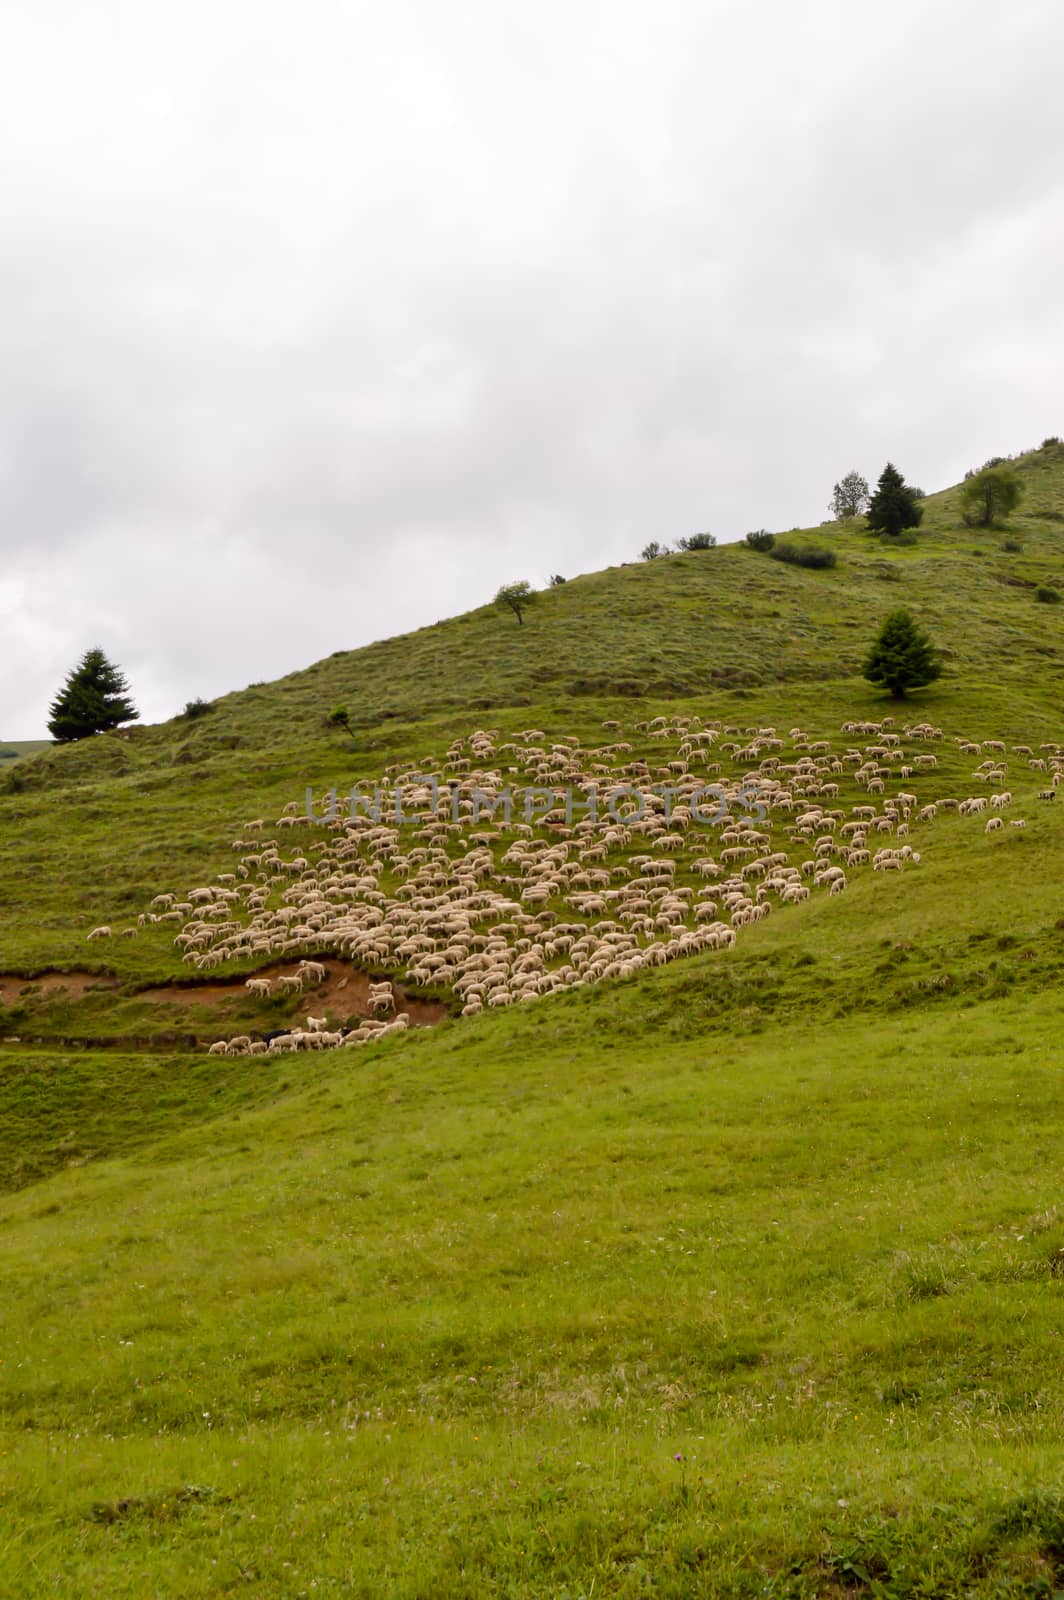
x=722 y=619
x=12 y=750
x=681 y=626
x=728 y=633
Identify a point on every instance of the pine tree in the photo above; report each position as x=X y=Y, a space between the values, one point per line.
x=94 y=699
x=894 y=506
x=902 y=657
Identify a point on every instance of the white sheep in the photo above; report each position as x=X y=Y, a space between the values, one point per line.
x=460 y=912
x=285 y=1042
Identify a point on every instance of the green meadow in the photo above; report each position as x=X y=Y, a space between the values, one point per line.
x=743 y=1276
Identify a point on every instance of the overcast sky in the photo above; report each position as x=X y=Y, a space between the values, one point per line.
x=320 y=321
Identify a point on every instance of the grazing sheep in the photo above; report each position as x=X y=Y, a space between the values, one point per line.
x=381 y=997
x=459 y=906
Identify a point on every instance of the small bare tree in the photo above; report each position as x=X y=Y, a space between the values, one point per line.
x=849 y=497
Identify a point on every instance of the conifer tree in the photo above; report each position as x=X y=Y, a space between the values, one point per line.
x=902 y=657
x=94 y=699
x=894 y=506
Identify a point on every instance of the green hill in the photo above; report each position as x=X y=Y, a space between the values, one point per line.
x=739 y=1274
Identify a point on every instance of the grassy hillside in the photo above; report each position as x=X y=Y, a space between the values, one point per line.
x=738 y=1276
x=651 y=1289
x=165 y=801
x=685 y=625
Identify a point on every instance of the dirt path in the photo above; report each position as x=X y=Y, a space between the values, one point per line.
x=73 y=984
x=345 y=992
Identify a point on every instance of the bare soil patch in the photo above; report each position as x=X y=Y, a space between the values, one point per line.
x=74 y=984
x=345 y=992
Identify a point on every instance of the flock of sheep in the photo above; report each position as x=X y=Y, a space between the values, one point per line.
x=498 y=913
x=317 y=1035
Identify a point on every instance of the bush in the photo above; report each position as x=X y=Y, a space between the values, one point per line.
x=556 y=580
x=8 y=755
x=1049 y=597
x=988 y=496
x=697 y=541
x=1013 y=546
x=811 y=556
x=906 y=536
x=196 y=708
x=1047 y=444
x=760 y=539
x=651 y=551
